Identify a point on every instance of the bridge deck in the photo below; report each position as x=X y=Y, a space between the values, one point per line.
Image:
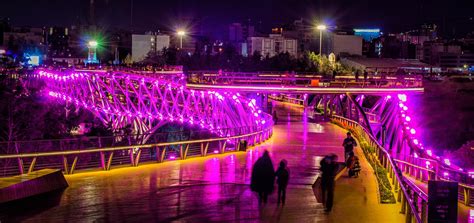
x=216 y=188
x=305 y=90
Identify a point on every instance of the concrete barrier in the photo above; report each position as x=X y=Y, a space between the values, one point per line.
x=27 y=185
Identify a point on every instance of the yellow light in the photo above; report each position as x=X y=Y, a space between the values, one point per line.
x=321 y=27
x=181 y=33
x=92 y=44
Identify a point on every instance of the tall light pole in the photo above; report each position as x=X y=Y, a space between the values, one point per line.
x=321 y=28
x=181 y=34
x=92 y=55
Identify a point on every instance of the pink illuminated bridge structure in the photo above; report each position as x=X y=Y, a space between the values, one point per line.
x=217 y=111
x=303 y=83
x=213 y=122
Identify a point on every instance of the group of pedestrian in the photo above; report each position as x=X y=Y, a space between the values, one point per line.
x=263 y=174
x=263 y=178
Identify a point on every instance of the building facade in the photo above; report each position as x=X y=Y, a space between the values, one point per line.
x=272 y=45
x=456 y=61
x=340 y=44
x=433 y=49
x=144 y=44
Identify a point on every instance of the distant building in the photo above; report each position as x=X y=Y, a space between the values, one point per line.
x=303 y=31
x=416 y=38
x=272 y=45
x=433 y=49
x=378 y=66
x=460 y=61
x=341 y=44
x=24 y=36
x=238 y=35
x=57 y=40
x=235 y=32
x=144 y=44
x=368 y=34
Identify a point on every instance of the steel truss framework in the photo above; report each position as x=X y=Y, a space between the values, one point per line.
x=146 y=103
x=388 y=119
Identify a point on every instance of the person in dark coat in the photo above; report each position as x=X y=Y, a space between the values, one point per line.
x=329 y=169
x=263 y=177
x=283 y=175
x=349 y=144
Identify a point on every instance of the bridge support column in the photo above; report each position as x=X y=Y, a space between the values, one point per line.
x=162 y=154
x=181 y=152
x=32 y=165
x=222 y=148
x=424 y=208
x=404 y=204
x=467 y=196
x=109 y=161
x=186 y=149
x=102 y=160
x=65 y=165
x=137 y=157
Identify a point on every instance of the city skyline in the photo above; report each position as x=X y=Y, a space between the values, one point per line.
x=213 y=17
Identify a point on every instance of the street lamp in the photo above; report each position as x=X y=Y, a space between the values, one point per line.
x=321 y=28
x=92 y=55
x=181 y=34
x=92 y=43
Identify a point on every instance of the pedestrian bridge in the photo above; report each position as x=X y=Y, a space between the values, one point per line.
x=380 y=120
x=303 y=83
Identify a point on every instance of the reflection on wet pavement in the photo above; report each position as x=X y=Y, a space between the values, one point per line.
x=214 y=188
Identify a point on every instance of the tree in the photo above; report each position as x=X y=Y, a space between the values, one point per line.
x=463 y=156
x=154 y=58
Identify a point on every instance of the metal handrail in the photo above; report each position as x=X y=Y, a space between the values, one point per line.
x=81 y=137
x=413 y=165
x=109 y=149
x=397 y=172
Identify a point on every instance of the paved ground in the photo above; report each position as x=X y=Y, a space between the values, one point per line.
x=215 y=188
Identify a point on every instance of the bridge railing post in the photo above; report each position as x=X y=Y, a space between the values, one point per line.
x=424 y=208
x=467 y=196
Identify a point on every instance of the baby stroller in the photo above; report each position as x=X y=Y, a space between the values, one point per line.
x=353 y=165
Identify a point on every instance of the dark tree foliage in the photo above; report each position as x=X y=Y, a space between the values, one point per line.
x=27 y=114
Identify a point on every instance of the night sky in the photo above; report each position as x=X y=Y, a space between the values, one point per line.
x=454 y=16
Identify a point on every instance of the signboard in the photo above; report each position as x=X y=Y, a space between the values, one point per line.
x=442 y=201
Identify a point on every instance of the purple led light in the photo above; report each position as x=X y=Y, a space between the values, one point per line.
x=413 y=131
x=141 y=109
x=402 y=97
x=447 y=162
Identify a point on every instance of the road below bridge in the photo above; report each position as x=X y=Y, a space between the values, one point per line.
x=216 y=188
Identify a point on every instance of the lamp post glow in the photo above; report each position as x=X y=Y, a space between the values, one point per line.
x=92 y=55
x=321 y=28
x=181 y=34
